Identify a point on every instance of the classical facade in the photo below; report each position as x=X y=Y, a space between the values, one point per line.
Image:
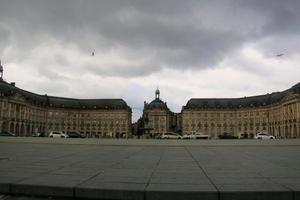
x=277 y=113
x=157 y=117
x=25 y=113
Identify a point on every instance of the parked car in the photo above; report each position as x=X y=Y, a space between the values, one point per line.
x=74 y=135
x=170 y=136
x=226 y=135
x=201 y=136
x=243 y=135
x=156 y=136
x=57 y=134
x=187 y=136
x=37 y=135
x=7 y=133
x=195 y=136
x=263 y=136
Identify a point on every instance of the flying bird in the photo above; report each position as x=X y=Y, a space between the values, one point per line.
x=279 y=55
x=93 y=53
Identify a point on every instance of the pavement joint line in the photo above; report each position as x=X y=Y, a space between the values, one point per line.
x=186 y=148
x=33 y=176
x=260 y=160
x=294 y=192
x=73 y=153
x=43 y=173
x=119 y=162
x=160 y=158
x=282 y=185
x=73 y=189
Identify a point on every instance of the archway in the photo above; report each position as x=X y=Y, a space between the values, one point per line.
x=4 y=126
x=28 y=129
x=22 y=131
x=11 y=127
x=17 y=130
x=279 y=132
x=295 y=131
x=286 y=132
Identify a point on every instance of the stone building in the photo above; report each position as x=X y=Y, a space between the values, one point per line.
x=277 y=113
x=24 y=113
x=157 y=117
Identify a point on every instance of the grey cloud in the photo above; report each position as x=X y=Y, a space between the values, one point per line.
x=4 y=38
x=288 y=46
x=124 y=71
x=282 y=16
x=170 y=34
x=51 y=74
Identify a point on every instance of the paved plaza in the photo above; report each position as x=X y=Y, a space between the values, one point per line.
x=149 y=169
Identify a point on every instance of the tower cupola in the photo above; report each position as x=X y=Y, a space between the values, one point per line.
x=157 y=93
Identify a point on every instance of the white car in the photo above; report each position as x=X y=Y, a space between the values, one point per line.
x=195 y=136
x=170 y=136
x=264 y=136
x=190 y=135
x=57 y=134
x=187 y=136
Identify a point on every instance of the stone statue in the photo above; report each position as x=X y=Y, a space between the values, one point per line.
x=1 y=71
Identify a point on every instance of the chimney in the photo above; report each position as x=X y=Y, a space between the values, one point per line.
x=13 y=84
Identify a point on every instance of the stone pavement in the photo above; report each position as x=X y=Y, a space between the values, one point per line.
x=147 y=170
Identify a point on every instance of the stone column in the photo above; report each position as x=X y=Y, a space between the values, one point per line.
x=31 y=128
x=9 y=109
x=1 y=108
x=14 y=129
x=15 y=111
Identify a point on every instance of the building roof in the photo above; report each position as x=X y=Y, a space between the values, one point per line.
x=156 y=104
x=252 y=101
x=62 y=102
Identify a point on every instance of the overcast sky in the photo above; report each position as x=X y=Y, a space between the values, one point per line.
x=191 y=48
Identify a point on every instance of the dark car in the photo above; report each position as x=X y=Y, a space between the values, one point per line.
x=227 y=136
x=74 y=135
x=6 y=133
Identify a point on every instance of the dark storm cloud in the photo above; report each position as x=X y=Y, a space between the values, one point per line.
x=282 y=17
x=172 y=34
